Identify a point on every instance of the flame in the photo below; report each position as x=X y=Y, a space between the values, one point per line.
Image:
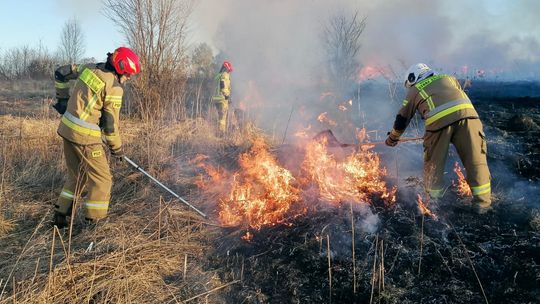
x=462 y=187
x=303 y=133
x=323 y=118
x=344 y=105
x=247 y=237
x=260 y=193
x=370 y=72
x=424 y=209
x=263 y=193
x=357 y=178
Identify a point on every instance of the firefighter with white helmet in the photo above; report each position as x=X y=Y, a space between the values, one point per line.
x=90 y=117
x=449 y=117
x=222 y=94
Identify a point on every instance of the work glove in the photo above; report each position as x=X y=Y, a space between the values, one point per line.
x=118 y=155
x=392 y=140
x=61 y=105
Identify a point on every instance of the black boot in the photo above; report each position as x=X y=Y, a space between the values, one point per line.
x=60 y=220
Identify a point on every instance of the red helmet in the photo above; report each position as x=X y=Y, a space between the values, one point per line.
x=227 y=65
x=125 y=61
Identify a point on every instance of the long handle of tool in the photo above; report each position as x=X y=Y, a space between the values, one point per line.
x=162 y=186
x=382 y=142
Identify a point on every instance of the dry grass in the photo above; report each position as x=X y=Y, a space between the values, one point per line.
x=148 y=250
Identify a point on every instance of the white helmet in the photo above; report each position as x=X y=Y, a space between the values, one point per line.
x=416 y=73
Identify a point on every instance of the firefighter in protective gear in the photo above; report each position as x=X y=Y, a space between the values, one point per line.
x=91 y=117
x=222 y=94
x=449 y=117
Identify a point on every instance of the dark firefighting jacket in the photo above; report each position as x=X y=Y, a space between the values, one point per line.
x=440 y=101
x=94 y=106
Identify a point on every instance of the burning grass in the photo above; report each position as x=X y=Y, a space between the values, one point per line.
x=261 y=192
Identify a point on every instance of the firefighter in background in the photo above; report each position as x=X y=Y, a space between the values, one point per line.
x=449 y=117
x=90 y=114
x=222 y=94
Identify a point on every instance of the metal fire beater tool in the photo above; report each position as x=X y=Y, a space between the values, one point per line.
x=163 y=186
x=332 y=141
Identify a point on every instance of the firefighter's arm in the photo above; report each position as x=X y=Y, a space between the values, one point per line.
x=403 y=118
x=62 y=76
x=110 y=119
x=225 y=85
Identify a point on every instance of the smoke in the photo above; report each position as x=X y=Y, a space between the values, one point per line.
x=279 y=60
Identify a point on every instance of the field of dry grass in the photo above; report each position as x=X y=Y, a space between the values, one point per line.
x=149 y=248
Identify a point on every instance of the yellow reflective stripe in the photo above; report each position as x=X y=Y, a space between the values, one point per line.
x=428 y=99
x=61 y=85
x=405 y=102
x=113 y=97
x=89 y=108
x=111 y=137
x=97 y=205
x=422 y=84
x=448 y=112
x=482 y=189
x=79 y=128
x=92 y=80
x=66 y=193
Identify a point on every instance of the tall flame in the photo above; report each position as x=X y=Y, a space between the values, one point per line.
x=260 y=193
x=356 y=178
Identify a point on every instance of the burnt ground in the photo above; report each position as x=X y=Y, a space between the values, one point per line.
x=401 y=256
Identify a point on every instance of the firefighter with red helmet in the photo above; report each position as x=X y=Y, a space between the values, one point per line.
x=90 y=117
x=222 y=94
x=449 y=117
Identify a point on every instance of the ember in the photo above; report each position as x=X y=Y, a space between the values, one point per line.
x=462 y=188
x=323 y=118
x=424 y=209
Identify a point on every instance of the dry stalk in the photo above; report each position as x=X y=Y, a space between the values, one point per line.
x=381 y=278
x=21 y=255
x=67 y=260
x=51 y=262
x=421 y=244
x=212 y=290
x=329 y=267
x=353 y=250
x=374 y=267
x=185 y=267
x=470 y=262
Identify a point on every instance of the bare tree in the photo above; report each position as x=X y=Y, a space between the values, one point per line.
x=72 y=45
x=341 y=40
x=156 y=29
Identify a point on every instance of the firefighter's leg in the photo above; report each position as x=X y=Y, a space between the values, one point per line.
x=99 y=183
x=73 y=178
x=470 y=142
x=435 y=154
x=222 y=108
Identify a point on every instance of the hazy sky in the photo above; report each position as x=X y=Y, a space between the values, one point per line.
x=490 y=34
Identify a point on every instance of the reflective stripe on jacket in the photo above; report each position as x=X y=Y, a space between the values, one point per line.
x=94 y=107
x=222 y=89
x=440 y=101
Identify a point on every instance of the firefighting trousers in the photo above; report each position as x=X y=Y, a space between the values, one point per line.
x=469 y=140
x=222 y=107
x=87 y=172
